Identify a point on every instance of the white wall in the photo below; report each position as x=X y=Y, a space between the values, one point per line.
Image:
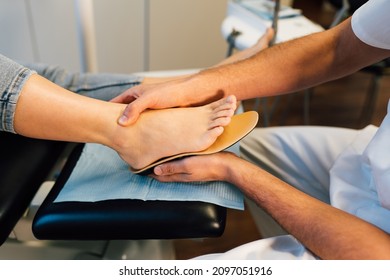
x=186 y=33
x=39 y=31
x=120 y=35
x=129 y=35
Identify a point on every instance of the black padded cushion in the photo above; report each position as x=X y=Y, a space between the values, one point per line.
x=124 y=219
x=24 y=165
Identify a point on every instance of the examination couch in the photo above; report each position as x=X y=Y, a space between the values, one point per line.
x=26 y=164
x=33 y=172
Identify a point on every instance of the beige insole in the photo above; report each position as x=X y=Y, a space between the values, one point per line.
x=238 y=128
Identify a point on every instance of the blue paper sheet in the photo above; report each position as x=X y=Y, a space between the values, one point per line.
x=100 y=174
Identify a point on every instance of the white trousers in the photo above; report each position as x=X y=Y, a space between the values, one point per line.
x=301 y=156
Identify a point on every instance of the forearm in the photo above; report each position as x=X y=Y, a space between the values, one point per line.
x=288 y=67
x=45 y=110
x=328 y=232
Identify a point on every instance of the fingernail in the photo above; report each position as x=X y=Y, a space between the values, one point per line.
x=157 y=170
x=123 y=120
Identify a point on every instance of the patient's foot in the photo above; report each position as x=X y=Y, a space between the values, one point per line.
x=261 y=44
x=162 y=133
x=263 y=41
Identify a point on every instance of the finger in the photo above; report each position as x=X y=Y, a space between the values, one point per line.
x=172 y=178
x=170 y=168
x=124 y=98
x=129 y=115
x=132 y=111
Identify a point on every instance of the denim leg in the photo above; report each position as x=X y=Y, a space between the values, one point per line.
x=103 y=86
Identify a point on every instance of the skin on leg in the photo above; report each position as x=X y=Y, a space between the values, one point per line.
x=162 y=133
x=47 y=111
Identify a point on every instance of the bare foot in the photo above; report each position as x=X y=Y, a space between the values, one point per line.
x=263 y=41
x=162 y=133
x=260 y=45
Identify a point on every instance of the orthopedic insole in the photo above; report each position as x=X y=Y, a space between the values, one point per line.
x=238 y=128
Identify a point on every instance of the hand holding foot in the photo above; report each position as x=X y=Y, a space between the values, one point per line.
x=162 y=133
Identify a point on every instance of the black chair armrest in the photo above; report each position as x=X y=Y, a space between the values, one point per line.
x=124 y=219
x=24 y=165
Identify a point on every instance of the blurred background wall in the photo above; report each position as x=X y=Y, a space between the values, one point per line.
x=114 y=36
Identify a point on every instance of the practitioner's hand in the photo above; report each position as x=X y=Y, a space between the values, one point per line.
x=213 y=167
x=150 y=96
x=138 y=102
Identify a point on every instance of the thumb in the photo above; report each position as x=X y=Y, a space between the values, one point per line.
x=174 y=167
x=130 y=114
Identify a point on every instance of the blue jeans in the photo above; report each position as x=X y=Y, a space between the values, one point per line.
x=101 y=86
x=13 y=76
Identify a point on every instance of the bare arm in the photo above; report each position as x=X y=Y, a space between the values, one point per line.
x=328 y=232
x=261 y=44
x=291 y=66
x=281 y=69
